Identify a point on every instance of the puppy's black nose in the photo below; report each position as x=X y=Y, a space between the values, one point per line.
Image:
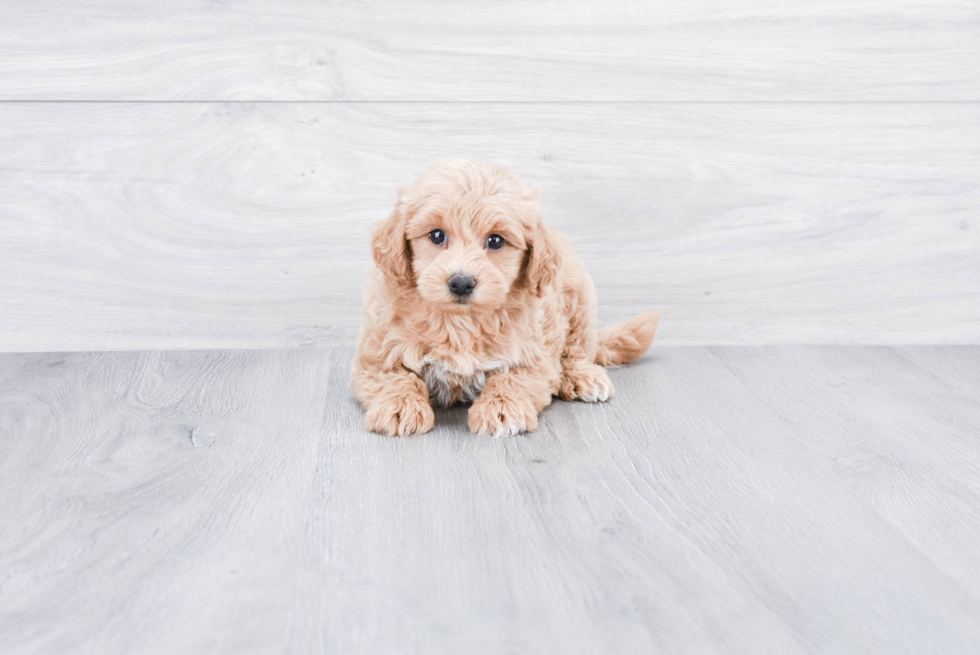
x=461 y=285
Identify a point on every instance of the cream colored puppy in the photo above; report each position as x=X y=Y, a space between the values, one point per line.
x=474 y=299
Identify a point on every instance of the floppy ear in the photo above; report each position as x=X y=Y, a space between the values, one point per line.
x=390 y=248
x=543 y=259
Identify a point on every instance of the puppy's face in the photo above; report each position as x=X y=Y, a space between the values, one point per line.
x=467 y=258
x=465 y=236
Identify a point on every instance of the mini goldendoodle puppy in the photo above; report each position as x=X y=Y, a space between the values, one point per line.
x=474 y=299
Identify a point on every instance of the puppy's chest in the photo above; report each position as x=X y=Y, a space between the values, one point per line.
x=449 y=385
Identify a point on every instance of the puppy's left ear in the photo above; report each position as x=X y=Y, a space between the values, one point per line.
x=390 y=249
x=543 y=259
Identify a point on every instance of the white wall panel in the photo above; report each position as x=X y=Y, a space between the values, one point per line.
x=499 y=50
x=246 y=225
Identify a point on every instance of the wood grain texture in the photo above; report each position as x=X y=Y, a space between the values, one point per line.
x=497 y=50
x=778 y=499
x=246 y=225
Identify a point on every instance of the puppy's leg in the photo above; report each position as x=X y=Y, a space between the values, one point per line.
x=396 y=403
x=586 y=382
x=510 y=402
x=581 y=377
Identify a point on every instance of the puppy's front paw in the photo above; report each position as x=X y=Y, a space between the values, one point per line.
x=587 y=382
x=400 y=415
x=501 y=416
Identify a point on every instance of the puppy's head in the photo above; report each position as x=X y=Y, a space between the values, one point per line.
x=466 y=236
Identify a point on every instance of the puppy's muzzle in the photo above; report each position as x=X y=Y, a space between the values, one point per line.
x=461 y=285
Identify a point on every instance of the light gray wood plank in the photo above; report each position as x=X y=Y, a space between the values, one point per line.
x=498 y=50
x=791 y=500
x=240 y=225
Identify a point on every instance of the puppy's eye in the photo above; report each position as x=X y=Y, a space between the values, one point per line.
x=495 y=242
x=437 y=237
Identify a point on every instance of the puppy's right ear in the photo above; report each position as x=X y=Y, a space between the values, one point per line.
x=390 y=249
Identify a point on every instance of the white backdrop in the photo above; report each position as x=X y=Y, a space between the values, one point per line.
x=204 y=174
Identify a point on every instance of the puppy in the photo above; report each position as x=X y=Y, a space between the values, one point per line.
x=474 y=299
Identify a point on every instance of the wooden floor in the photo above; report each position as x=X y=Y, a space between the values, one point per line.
x=742 y=500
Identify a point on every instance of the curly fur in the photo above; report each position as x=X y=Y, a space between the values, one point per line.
x=527 y=332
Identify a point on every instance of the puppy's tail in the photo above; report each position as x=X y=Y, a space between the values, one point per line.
x=626 y=342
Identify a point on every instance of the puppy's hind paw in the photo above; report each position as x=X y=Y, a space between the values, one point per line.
x=588 y=382
x=400 y=416
x=499 y=416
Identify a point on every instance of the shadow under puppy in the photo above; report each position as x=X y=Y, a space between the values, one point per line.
x=474 y=299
